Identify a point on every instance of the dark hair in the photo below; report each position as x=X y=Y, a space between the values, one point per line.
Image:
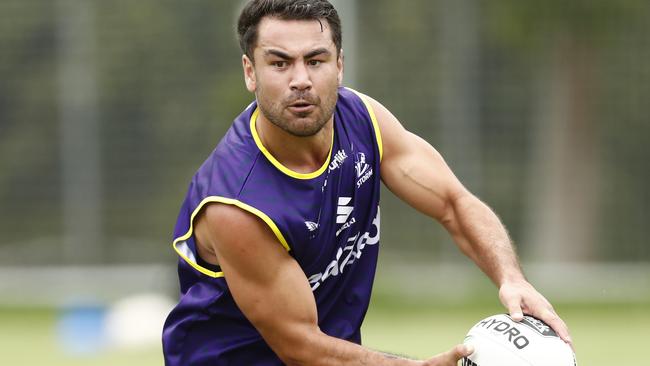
x=255 y=10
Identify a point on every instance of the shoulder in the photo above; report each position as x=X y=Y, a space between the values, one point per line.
x=235 y=233
x=388 y=129
x=376 y=111
x=238 y=221
x=356 y=106
x=225 y=170
x=354 y=99
x=239 y=137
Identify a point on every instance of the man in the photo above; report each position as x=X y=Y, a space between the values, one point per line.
x=278 y=233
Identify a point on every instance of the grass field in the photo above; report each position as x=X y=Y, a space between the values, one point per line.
x=604 y=335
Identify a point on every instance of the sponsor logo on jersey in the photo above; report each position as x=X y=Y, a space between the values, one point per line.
x=363 y=169
x=346 y=255
x=343 y=212
x=346 y=225
x=311 y=226
x=337 y=160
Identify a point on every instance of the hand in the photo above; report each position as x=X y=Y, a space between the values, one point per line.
x=451 y=357
x=521 y=298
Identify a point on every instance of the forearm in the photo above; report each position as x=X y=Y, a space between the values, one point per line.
x=481 y=236
x=319 y=349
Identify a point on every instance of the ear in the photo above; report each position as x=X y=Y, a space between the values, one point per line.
x=249 y=74
x=339 y=66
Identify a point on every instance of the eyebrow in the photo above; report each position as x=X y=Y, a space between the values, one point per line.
x=277 y=53
x=316 y=52
x=286 y=56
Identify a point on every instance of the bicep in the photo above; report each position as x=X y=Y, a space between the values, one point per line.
x=413 y=170
x=267 y=284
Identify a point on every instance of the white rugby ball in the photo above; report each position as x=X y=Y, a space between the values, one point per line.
x=500 y=341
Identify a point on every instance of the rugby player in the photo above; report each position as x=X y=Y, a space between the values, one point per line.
x=279 y=231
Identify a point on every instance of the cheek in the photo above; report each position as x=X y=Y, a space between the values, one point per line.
x=269 y=94
x=327 y=80
x=270 y=82
x=335 y=82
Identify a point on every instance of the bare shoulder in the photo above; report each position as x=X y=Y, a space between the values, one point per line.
x=219 y=215
x=230 y=232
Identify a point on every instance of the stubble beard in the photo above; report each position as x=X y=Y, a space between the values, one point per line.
x=299 y=124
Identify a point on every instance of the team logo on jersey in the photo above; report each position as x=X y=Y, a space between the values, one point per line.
x=364 y=171
x=343 y=212
x=338 y=159
x=311 y=226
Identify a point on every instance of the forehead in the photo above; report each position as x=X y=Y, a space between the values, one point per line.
x=294 y=36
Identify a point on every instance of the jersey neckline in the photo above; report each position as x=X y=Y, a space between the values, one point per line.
x=275 y=161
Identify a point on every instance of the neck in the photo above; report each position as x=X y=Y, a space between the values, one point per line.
x=300 y=154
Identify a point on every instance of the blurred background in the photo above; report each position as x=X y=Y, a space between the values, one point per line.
x=107 y=108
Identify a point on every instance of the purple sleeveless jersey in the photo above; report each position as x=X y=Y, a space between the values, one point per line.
x=328 y=221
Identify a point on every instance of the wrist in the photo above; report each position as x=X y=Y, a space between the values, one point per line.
x=512 y=280
x=513 y=276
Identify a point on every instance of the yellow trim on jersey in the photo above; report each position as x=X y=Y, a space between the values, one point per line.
x=279 y=165
x=227 y=201
x=373 y=118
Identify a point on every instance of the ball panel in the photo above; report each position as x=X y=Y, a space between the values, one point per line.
x=538 y=325
x=500 y=341
x=488 y=349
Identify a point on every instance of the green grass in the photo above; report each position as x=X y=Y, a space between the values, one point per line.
x=28 y=337
x=604 y=335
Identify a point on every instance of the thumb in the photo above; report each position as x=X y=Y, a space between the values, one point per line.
x=460 y=351
x=450 y=357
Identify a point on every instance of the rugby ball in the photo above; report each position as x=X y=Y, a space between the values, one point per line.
x=500 y=341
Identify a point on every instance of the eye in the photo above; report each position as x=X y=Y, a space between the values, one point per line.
x=279 y=64
x=315 y=62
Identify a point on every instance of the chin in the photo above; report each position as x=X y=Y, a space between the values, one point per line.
x=305 y=129
x=305 y=132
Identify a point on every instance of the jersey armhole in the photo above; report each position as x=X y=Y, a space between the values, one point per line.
x=373 y=118
x=183 y=250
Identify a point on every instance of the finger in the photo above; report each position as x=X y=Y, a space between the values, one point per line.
x=513 y=304
x=550 y=317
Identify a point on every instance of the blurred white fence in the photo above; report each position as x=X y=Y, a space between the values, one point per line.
x=447 y=282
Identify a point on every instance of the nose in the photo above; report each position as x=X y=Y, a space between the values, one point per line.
x=300 y=78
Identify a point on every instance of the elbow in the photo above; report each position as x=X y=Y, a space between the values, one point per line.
x=294 y=356
x=453 y=205
x=455 y=220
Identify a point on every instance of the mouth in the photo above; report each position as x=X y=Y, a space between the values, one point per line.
x=301 y=107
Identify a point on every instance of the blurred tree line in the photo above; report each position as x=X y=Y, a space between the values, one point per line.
x=540 y=107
